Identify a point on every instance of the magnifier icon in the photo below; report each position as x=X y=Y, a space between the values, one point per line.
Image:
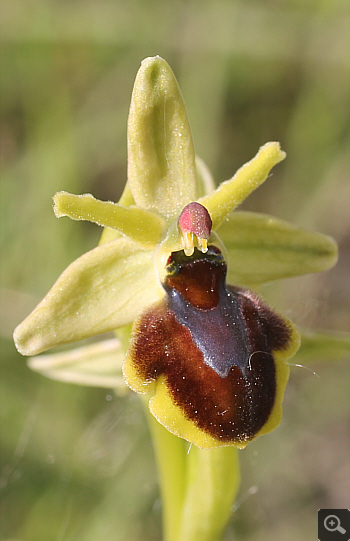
x=332 y=524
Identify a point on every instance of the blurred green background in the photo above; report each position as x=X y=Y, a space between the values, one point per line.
x=77 y=463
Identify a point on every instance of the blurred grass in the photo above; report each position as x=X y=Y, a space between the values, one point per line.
x=77 y=463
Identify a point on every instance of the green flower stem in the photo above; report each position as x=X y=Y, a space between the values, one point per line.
x=250 y=176
x=138 y=224
x=198 y=486
x=170 y=454
x=213 y=477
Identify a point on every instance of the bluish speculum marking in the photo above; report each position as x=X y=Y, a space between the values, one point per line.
x=218 y=332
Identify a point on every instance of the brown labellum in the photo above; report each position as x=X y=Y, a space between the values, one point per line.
x=215 y=345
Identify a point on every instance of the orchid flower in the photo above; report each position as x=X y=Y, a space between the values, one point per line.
x=178 y=265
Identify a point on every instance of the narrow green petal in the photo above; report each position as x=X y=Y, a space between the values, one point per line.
x=102 y=290
x=138 y=224
x=262 y=248
x=250 y=176
x=126 y=200
x=98 y=365
x=161 y=158
x=212 y=479
x=323 y=346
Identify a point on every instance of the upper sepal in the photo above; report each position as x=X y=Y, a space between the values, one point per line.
x=161 y=159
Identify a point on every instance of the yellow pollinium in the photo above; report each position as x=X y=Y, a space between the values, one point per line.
x=190 y=241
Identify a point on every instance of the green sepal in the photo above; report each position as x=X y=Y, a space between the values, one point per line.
x=161 y=159
x=104 y=289
x=262 y=248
